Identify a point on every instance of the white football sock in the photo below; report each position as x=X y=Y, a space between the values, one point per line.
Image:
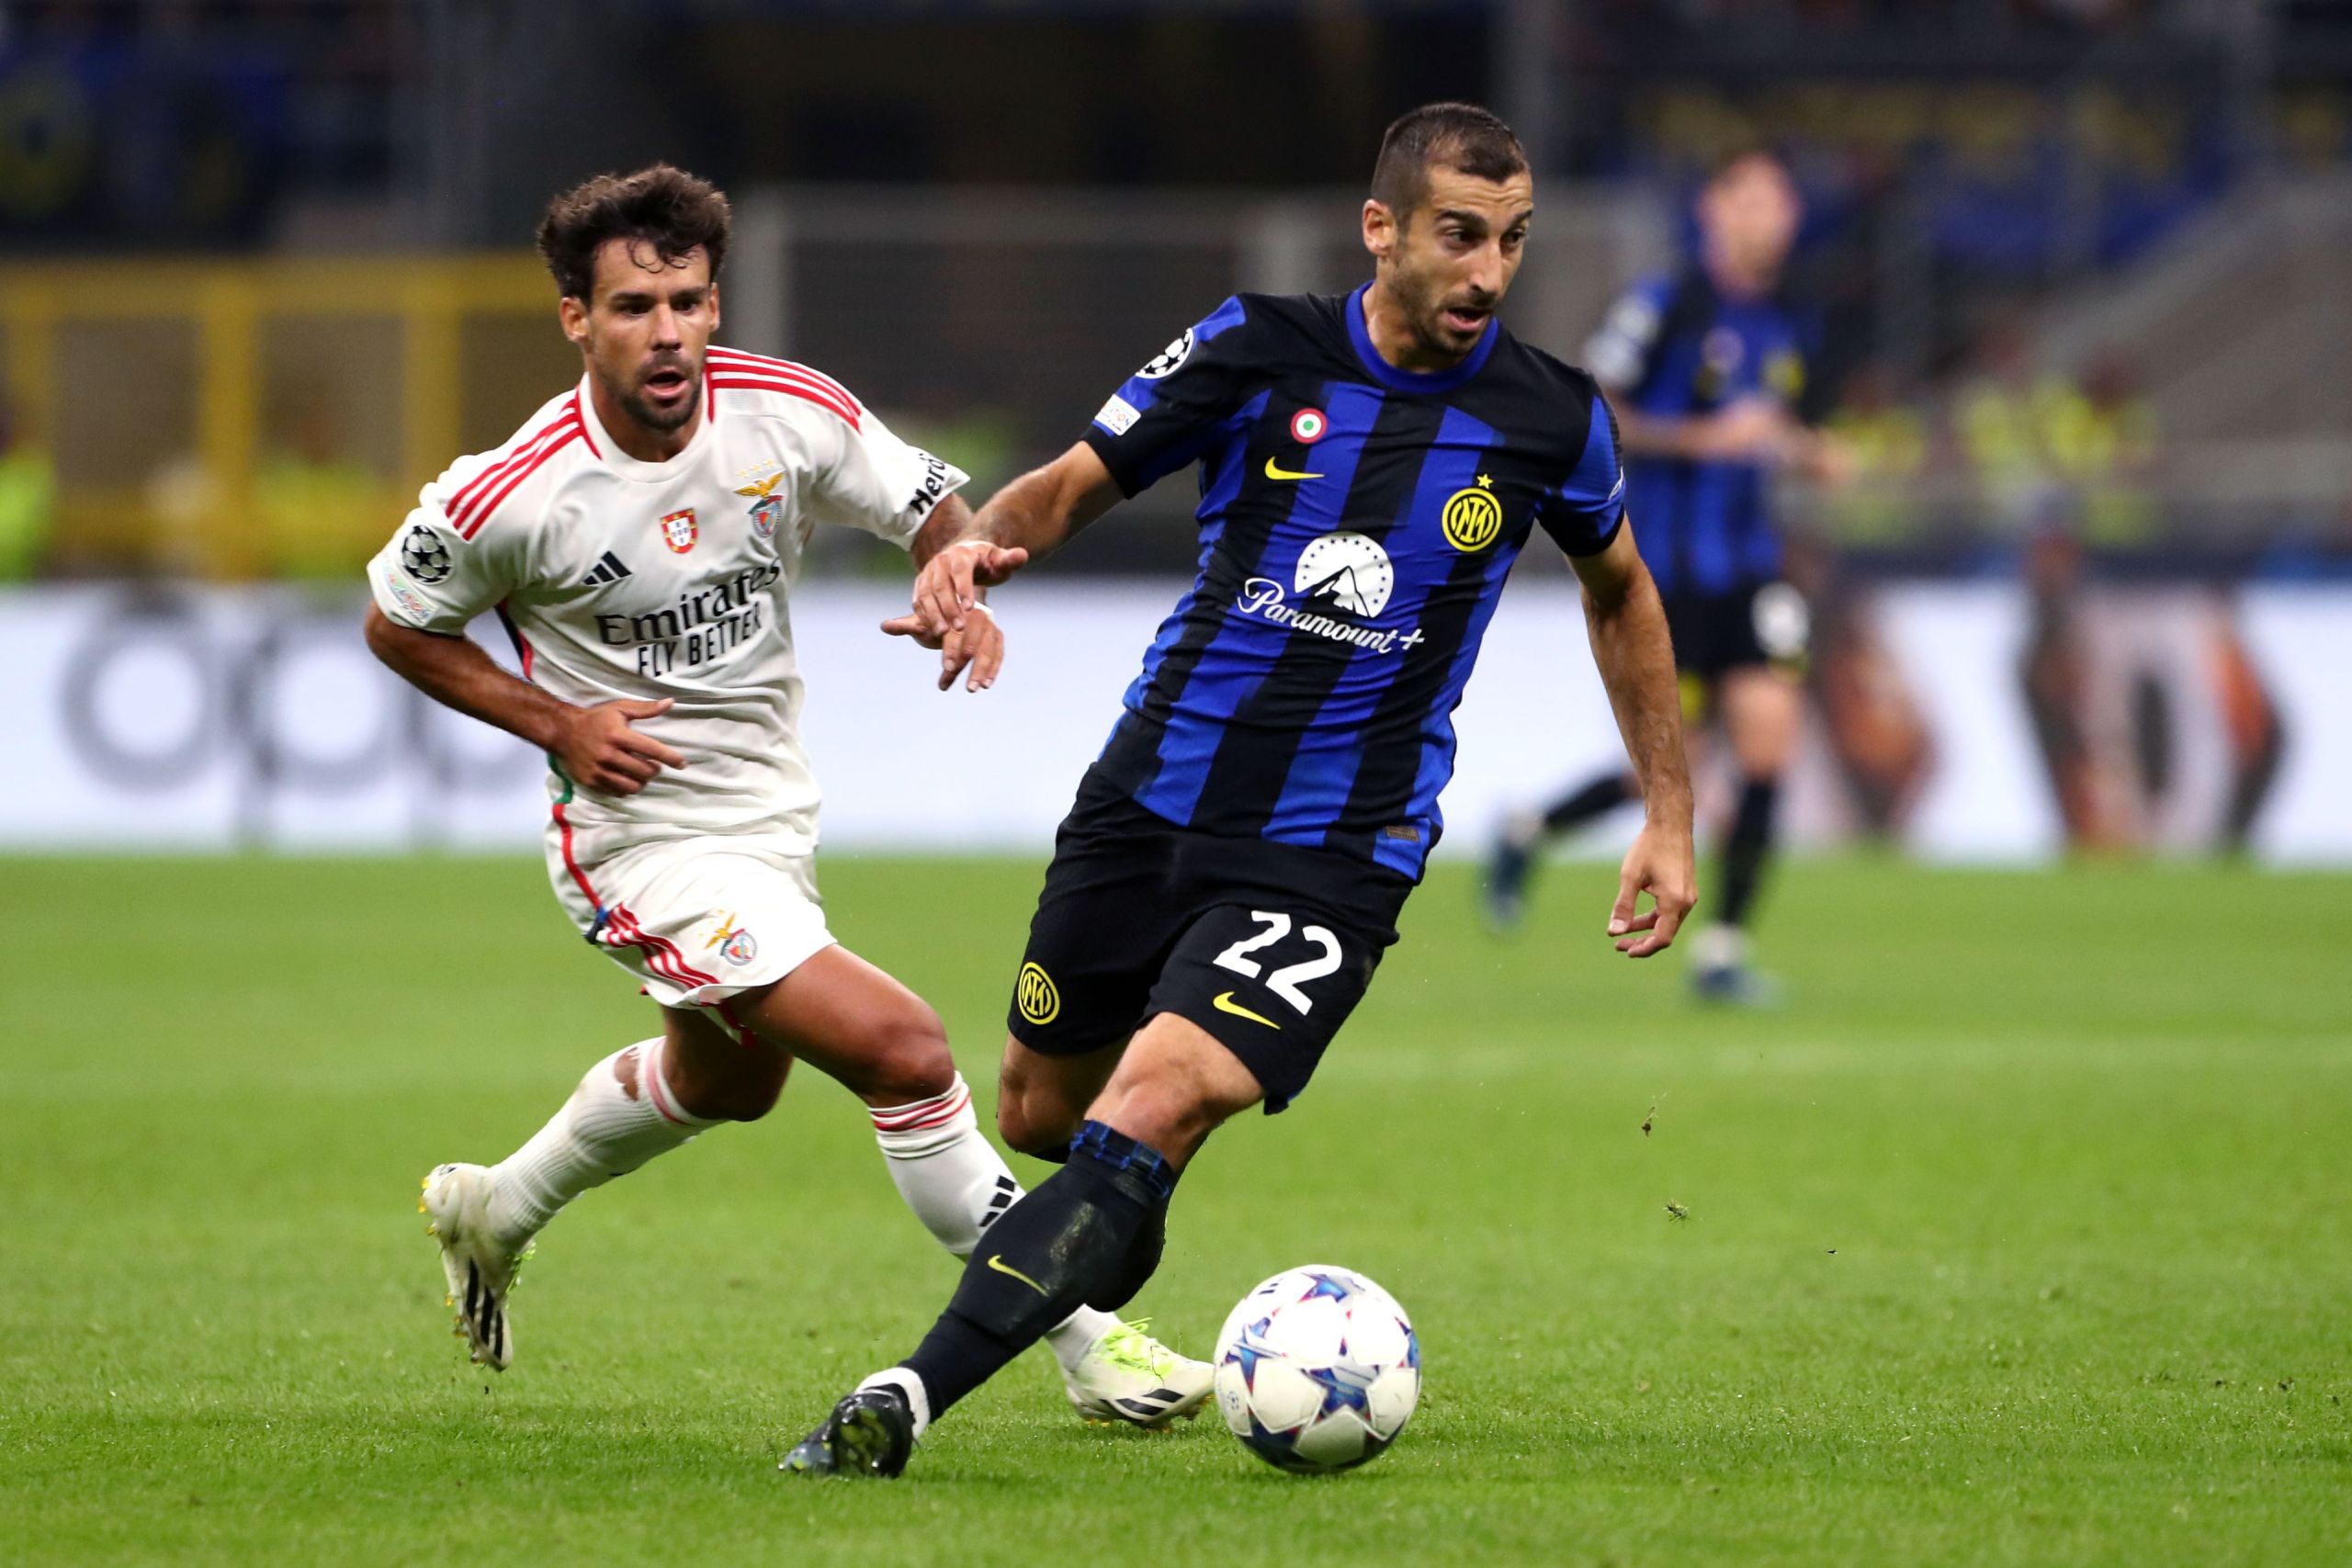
x=907 y=1387
x=1721 y=947
x=957 y=1183
x=622 y=1114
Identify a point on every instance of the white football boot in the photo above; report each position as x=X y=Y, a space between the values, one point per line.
x=1127 y=1375
x=481 y=1268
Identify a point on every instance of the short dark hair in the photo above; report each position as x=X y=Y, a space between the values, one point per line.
x=666 y=208
x=1741 y=150
x=1462 y=137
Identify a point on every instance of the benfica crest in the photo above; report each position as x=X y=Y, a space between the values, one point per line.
x=767 y=507
x=678 y=530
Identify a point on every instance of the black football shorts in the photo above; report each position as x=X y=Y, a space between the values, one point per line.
x=1757 y=622
x=1267 y=946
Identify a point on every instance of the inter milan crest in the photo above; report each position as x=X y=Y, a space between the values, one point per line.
x=1035 y=995
x=767 y=508
x=1473 y=518
x=678 y=530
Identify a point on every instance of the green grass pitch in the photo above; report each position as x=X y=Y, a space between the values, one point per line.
x=2023 y=1235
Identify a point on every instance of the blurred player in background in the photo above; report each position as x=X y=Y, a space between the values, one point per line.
x=637 y=539
x=1704 y=370
x=1235 y=861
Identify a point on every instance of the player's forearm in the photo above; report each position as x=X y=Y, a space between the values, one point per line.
x=1635 y=657
x=950 y=523
x=1032 y=513
x=1654 y=436
x=458 y=674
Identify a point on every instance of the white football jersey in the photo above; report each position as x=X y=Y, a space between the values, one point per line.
x=616 y=578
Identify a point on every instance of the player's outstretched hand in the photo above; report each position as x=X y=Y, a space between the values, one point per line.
x=978 y=646
x=947 y=587
x=1830 y=461
x=601 y=751
x=1661 y=865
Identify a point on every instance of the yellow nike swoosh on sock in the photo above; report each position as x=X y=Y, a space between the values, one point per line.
x=1275 y=471
x=1224 y=1003
x=997 y=1262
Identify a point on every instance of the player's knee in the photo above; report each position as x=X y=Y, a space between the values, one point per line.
x=742 y=1084
x=1034 y=1122
x=907 y=1058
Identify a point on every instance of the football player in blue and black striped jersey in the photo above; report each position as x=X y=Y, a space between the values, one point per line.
x=1370 y=465
x=1706 y=368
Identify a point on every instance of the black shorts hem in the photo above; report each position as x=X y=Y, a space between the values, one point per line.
x=1715 y=634
x=1265 y=947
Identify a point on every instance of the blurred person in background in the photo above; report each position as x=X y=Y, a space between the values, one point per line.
x=2004 y=420
x=2106 y=446
x=28 y=499
x=2054 y=673
x=1704 y=370
x=1888 y=444
x=322 y=511
x=1871 y=722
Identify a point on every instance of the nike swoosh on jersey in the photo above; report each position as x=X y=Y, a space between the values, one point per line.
x=1224 y=1003
x=997 y=1262
x=1276 y=471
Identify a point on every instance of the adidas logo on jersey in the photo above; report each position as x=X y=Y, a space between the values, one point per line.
x=612 y=568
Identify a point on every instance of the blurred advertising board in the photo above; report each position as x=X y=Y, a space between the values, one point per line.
x=1964 y=722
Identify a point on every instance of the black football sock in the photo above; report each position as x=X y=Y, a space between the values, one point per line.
x=1580 y=806
x=1068 y=1242
x=1140 y=1264
x=1749 y=846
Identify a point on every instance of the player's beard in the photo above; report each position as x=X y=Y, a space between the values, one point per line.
x=653 y=417
x=1427 y=302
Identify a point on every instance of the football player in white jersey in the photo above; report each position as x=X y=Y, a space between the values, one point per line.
x=638 y=538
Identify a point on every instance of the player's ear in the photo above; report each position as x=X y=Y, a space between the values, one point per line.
x=714 y=307
x=1379 y=229
x=572 y=311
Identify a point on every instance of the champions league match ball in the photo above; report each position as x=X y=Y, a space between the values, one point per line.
x=1317 y=1370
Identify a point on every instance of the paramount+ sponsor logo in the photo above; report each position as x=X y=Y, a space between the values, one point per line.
x=1342 y=580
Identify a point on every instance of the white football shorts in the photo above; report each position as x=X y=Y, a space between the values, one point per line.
x=696 y=920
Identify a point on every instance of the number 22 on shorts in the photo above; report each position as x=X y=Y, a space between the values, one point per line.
x=1284 y=982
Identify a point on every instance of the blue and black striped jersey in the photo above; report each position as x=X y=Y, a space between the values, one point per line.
x=1357 y=522
x=1676 y=348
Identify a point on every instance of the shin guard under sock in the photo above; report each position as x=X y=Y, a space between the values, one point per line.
x=1061 y=1246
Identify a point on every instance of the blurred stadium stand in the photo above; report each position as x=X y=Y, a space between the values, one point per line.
x=2083 y=261
x=264 y=269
